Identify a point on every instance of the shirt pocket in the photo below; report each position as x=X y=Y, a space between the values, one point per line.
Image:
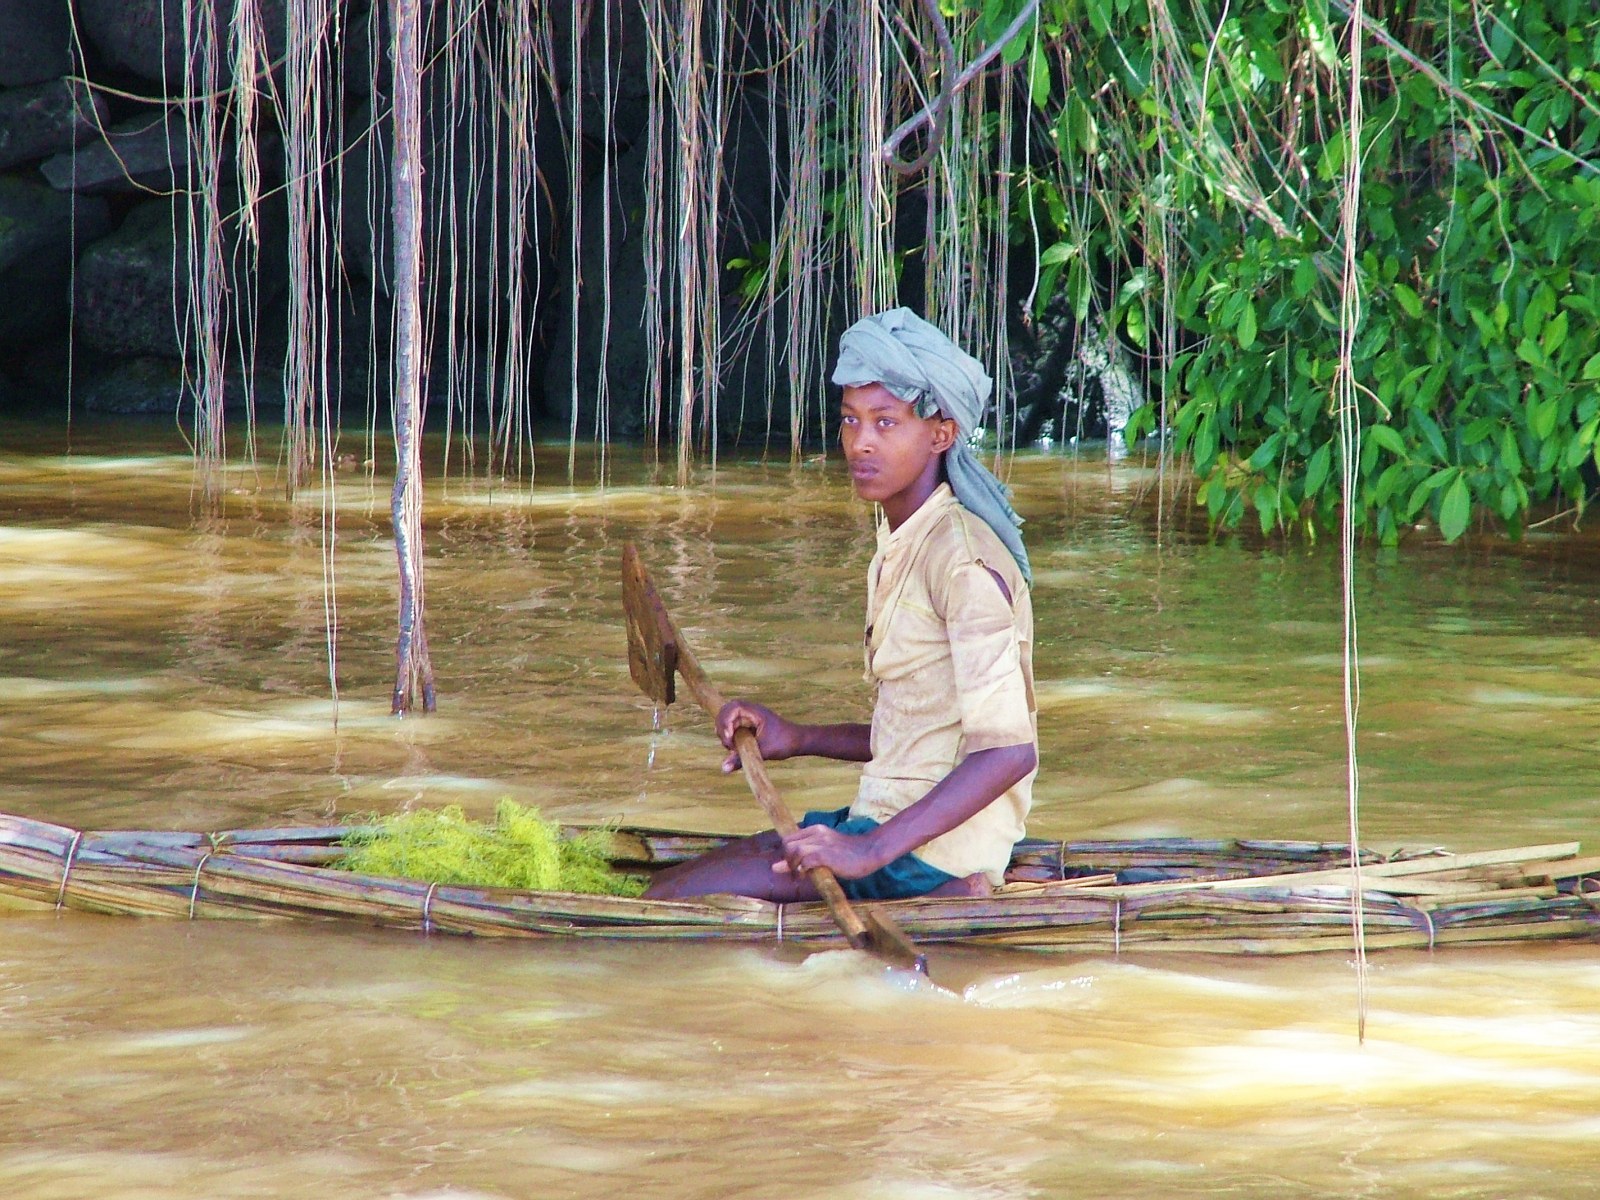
x=913 y=641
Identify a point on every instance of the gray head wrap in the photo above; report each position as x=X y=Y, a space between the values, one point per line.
x=923 y=367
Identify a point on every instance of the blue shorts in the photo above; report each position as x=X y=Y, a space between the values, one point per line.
x=905 y=877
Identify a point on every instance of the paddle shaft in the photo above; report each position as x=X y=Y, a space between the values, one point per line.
x=755 y=774
x=658 y=654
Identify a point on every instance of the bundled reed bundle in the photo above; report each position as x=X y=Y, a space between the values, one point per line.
x=1168 y=894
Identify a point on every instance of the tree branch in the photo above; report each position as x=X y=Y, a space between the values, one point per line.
x=939 y=111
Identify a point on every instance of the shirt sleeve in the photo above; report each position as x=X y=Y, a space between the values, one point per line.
x=990 y=687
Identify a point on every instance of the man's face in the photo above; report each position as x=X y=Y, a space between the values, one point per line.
x=889 y=448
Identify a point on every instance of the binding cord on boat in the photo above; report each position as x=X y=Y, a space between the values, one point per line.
x=1427 y=918
x=427 y=908
x=1590 y=895
x=194 y=892
x=780 y=922
x=1116 y=927
x=66 y=870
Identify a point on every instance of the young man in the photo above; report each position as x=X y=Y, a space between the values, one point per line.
x=953 y=746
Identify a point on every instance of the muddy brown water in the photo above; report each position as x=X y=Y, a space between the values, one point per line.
x=163 y=668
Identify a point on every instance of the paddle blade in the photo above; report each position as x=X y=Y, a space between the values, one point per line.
x=889 y=942
x=652 y=643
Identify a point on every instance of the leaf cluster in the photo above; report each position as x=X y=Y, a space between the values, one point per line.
x=1191 y=194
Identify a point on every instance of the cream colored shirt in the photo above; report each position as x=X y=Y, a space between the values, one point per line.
x=952 y=662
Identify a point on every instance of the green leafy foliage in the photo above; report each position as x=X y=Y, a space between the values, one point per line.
x=519 y=850
x=1193 y=196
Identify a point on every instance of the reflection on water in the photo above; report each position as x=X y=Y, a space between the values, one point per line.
x=159 y=669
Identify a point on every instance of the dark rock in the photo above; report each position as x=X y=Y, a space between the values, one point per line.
x=1043 y=370
x=462 y=197
x=35 y=41
x=145 y=386
x=145 y=153
x=364 y=191
x=125 y=287
x=1072 y=381
x=618 y=346
x=133 y=385
x=46 y=119
x=37 y=238
x=621 y=112
x=146 y=37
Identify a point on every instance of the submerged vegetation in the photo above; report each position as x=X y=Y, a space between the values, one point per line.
x=519 y=849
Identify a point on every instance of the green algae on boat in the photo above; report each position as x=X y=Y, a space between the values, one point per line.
x=520 y=849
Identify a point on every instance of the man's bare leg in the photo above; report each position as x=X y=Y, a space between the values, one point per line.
x=742 y=867
x=976 y=885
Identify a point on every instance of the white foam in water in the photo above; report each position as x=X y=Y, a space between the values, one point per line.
x=1151 y=707
x=533 y=1018
x=122 y=466
x=755 y=668
x=72 y=544
x=18 y=687
x=1498 y=1034
x=474 y=785
x=179 y=1039
x=1033 y=990
x=1073 y=986
x=1504 y=697
x=29 y=579
x=600 y=1091
x=849 y=977
x=1059 y=577
x=1049 y=692
x=315 y=714
x=1295 y=1061
x=1169 y=789
x=1334 y=662
x=879 y=1188
x=562 y=501
x=292 y=721
x=1200 y=712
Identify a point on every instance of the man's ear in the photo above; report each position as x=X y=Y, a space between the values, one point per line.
x=944 y=436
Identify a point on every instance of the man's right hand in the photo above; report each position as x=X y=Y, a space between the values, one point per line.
x=777 y=737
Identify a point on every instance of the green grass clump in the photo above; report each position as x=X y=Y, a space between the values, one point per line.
x=519 y=850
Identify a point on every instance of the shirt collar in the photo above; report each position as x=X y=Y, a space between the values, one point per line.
x=913 y=527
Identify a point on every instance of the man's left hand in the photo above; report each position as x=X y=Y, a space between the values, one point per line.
x=848 y=856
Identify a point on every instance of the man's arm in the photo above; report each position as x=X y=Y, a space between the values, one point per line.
x=978 y=780
x=779 y=738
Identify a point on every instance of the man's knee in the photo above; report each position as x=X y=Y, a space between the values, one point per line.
x=767 y=842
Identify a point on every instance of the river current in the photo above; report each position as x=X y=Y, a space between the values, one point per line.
x=162 y=666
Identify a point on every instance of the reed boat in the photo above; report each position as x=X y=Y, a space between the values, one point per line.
x=1088 y=897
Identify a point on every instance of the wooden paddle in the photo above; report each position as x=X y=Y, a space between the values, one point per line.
x=657 y=652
